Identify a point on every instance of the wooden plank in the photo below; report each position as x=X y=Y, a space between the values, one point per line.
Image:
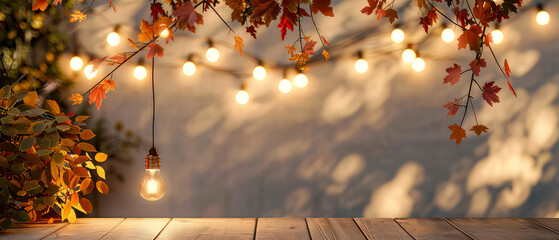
x=28 y=231
x=334 y=228
x=86 y=228
x=282 y=228
x=381 y=228
x=138 y=228
x=209 y=228
x=430 y=228
x=502 y=228
x=550 y=223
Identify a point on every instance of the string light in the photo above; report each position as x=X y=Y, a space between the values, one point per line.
x=212 y=54
x=301 y=80
x=542 y=17
x=189 y=68
x=285 y=86
x=497 y=36
x=242 y=96
x=164 y=33
x=259 y=72
x=76 y=63
x=113 y=38
x=361 y=65
x=408 y=55
x=88 y=72
x=140 y=71
x=397 y=35
x=447 y=35
x=418 y=64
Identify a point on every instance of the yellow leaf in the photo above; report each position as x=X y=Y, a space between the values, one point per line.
x=239 y=44
x=31 y=98
x=87 y=134
x=75 y=200
x=52 y=106
x=76 y=98
x=100 y=172
x=102 y=187
x=82 y=118
x=101 y=157
x=326 y=54
x=77 y=15
x=67 y=142
x=72 y=216
x=66 y=210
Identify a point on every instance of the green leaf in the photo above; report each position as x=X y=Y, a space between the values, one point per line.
x=52 y=189
x=13 y=111
x=63 y=127
x=21 y=216
x=7 y=119
x=6 y=223
x=5 y=195
x=31 y=185
x=8 y=130
x=18 y=167
x=4 y=162
x=5 y=92
x=62 y=119
x=33 y=112
x=43 y=152
x=26 y=143
x=58 y=158
x=43 y=142
x=38 y=128
x=49 y=200
x=53 y=137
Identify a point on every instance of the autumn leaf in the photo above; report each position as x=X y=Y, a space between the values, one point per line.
x=490 y=93
x=117 y=59
x=291 y=50
x=477 y=65
x=511 y=89
x=147 y=32
x=110 y=4
x=391 y=14
x=108 y=85
x=56 y=2
x=422 y=3
x=154 y=49
x=252 y=31
x=452 y=107
x=479 y=129
x=40 y=4
x=325 y=54
x=453 y=74
x=156 y=9
x=285 y=24
x=309 y=48
x=97 y=63
x=470 y=37
x=507 y=70
x=239 y=44
x=458 y=133
x=369 y=9
x=482 y=11
x=488 y=39
x=325 y=42
x=76 y=98
x=185 y=15
x=323 y=6
x=77 y=16
x=96 y=96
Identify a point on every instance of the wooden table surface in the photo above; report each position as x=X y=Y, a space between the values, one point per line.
x=290 y=228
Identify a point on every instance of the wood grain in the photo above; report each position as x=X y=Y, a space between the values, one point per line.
x=381 y=228
x=502 y=228
x=430 y=228
x=282 y=228
x=209 y=228
x=27 y=231
x=334 y=228
x=551 y=223
x=86 y=228
x=138 y=228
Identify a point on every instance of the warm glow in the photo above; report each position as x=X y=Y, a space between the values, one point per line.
x=113 y=39
x=542 y=17
x=259 y=73
x=301 y=80
x=76 y=63
x=152 y=187
x=408 y=56
x=189 y=68
x=448 y=35
x=140 y=72
x=397 y=35
x=164 y=33
x=497 y=36
x=242 y=97
x=89 y=74
x=285 y=86
x=418 y=64
x=361 y=66
x=212 y=54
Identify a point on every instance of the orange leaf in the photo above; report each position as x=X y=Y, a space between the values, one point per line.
x=76 y=98
x=87 y=134
x=507 y=70
x=471 y=37
x=511 y=89
x=452 y=107
x=239 y=44
x=325 y=54
x=86 y=147
x=102 y=187
x=391 y=14
x=86 y=186
x=147 y=32
x=81 y=172
x=108 y=85
x=154 y=49
x=458 y=133
x=97 y=63
x=40 y=4
x=453 y=74
x=479 y=129
x=488 y=39
x=86 y=205
x=77 y=16
x=96 y=96
x=75 y=199
x=477 y=65
x=112 y=5
x=325 y=42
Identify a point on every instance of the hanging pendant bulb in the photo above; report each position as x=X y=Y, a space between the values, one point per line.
x=285 y=86
x=418 y=64
x=152 y=187
x=189 y=68
x=76 y=63
x=397 y=35
x=212 y=54
x=408 y=55
x=361 y=65
x=447 y=35
x=542 y=17
x=497 y=35
x=113 y=38
x=140 y=71
x=259 y=72
x=88 y=72
x=301 y=80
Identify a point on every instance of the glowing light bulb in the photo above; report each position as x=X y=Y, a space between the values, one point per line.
x=242 y=97
x=542 y=18
x=418 y=64
x=140 y=72
x=212 y=54
x=76 y=63
x=497 y=36
x=88 y=71
x=447 y=35
x=259 y=73
x=164 y=33
x=397 y=35
x=361 y=66
x=152 y=187
x=408 y=56
x=285 y=86
x=301 y=80
x=113 y=39
x=189 y=68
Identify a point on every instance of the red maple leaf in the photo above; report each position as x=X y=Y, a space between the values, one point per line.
x=488 y=39
x=477 y=65
x=369 y=9
x=156 y=9
x=186 y=16
x=96 y=96
x=507 y=69
x=471 y=37
x=490 y=93
x=252 y=31
x=154 y=49
x=452 y=107
x=309 y=48
x=453 y=74
x=380 y=13
x=323 y=6
x=285 y=24
x=429 y=20
x=97 y=63
x=458 y=133
x=511 y=89
x=391 y=14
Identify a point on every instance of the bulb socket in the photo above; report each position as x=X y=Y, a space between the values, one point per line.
x=153 y=161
